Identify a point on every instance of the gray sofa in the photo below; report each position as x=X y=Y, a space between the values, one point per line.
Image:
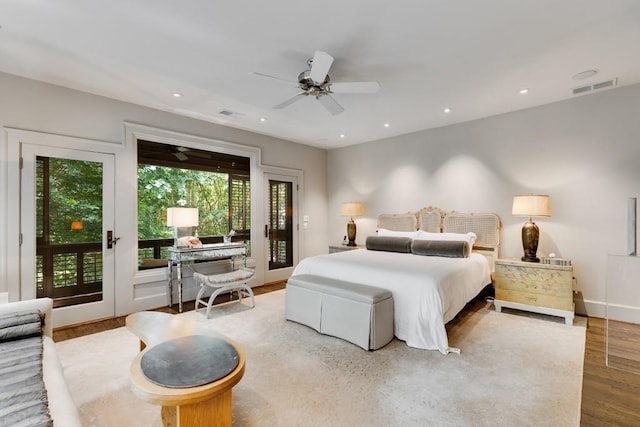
x=62 y=408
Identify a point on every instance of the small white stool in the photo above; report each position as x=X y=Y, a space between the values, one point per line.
x=224 y=282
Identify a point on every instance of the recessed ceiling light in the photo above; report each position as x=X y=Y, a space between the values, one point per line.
x=177 y=95
x=386 y=125
x=584 y=74
x=523 y=91
x=447 y=110
x=262 y=119
x=342 y=135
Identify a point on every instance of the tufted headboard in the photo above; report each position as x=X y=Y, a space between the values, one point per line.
x=485 y=225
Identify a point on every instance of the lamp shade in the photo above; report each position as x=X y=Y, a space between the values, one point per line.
x=182 y=217
x=537 y=205
x=352 y=209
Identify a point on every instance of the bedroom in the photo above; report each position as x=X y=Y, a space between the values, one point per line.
x=583 y=151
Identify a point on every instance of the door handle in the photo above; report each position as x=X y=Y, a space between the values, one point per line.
x=266 y=230
x=111 y=241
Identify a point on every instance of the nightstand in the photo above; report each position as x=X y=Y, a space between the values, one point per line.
x=540 y=288
x=341 y=248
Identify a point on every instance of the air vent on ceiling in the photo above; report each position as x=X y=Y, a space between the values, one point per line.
x=595 y=86
x=230 y=113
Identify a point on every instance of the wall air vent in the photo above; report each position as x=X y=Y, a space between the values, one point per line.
x=594 y=86
x=581 y=89
x=602 y=85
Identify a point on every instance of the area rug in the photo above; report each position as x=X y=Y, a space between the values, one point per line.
x=513 y=369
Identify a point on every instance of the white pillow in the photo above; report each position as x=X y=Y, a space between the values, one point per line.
x=469 y=237
x=391 y=233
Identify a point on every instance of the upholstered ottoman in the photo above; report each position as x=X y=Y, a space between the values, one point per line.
x=360 y=314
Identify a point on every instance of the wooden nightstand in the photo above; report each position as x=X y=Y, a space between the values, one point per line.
x=341 y=248
x=540 y=288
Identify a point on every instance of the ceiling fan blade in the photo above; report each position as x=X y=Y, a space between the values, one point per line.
x=330 y=104
x=355 y=87
x=320 y=66
x=290 y=101
x=287 y=82
x=199 y=154
x=180 y=156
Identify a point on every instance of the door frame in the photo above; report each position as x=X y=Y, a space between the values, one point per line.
x=78 y=313
x=296 y=177
x=12 y=249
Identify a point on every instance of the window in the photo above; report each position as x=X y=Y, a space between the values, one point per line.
x=217 y=184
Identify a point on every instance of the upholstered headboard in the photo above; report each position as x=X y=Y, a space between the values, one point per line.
x=485 y=225
x=430 y=219
x=427 y=219
x=398 y=222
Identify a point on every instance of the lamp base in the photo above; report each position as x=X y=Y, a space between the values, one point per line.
x=351 y=232
x=530 y=236
x=181 y=237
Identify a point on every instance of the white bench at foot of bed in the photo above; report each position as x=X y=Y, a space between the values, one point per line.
x=360 y=314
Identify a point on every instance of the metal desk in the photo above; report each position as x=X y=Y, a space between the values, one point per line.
x=176 y=256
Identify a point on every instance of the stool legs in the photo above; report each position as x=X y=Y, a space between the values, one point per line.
x=241 y=288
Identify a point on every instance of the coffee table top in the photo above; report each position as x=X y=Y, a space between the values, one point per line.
x=155 y=328
x=189 y=361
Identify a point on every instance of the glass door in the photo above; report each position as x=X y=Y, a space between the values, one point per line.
x=281 y=227
x=67 y=218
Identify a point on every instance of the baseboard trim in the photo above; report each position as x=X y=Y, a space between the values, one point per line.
x=622 y=313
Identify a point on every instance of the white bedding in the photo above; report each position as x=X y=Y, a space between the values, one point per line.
x=427 y=291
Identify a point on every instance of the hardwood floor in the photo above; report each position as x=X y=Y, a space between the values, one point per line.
x=610 y=397
x=70 y=332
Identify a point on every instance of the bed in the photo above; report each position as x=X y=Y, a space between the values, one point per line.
x=428 y=291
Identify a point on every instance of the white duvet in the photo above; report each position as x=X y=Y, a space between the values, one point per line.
x=427 y=291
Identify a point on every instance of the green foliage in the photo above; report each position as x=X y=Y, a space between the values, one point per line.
x=75 y=194
x=162 y=187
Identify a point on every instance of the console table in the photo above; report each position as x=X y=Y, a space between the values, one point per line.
x=208 y=405
x=210 y=252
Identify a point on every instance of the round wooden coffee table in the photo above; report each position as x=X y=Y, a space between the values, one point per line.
x=205 y=405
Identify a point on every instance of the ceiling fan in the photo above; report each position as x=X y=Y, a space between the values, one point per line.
x=179 y=152
x=316 y=82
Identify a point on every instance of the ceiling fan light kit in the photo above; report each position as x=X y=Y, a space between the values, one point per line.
x=316 y=82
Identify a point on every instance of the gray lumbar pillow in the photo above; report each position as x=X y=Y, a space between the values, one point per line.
x=443 y=248
x=389 y=244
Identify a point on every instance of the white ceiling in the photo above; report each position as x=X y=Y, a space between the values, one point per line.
x=471 y=56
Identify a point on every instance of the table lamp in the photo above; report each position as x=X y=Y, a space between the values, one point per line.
x=182 y=220
x=530 y=206
x=352 y=209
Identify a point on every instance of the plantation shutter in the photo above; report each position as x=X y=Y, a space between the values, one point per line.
x=239 y=204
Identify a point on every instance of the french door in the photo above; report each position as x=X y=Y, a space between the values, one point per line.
x=281 y=226
x=66 y=224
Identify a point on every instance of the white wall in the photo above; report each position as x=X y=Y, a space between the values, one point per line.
x=36 y=106
x=584 y=153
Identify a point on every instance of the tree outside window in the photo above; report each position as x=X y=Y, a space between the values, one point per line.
x=168 y=176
